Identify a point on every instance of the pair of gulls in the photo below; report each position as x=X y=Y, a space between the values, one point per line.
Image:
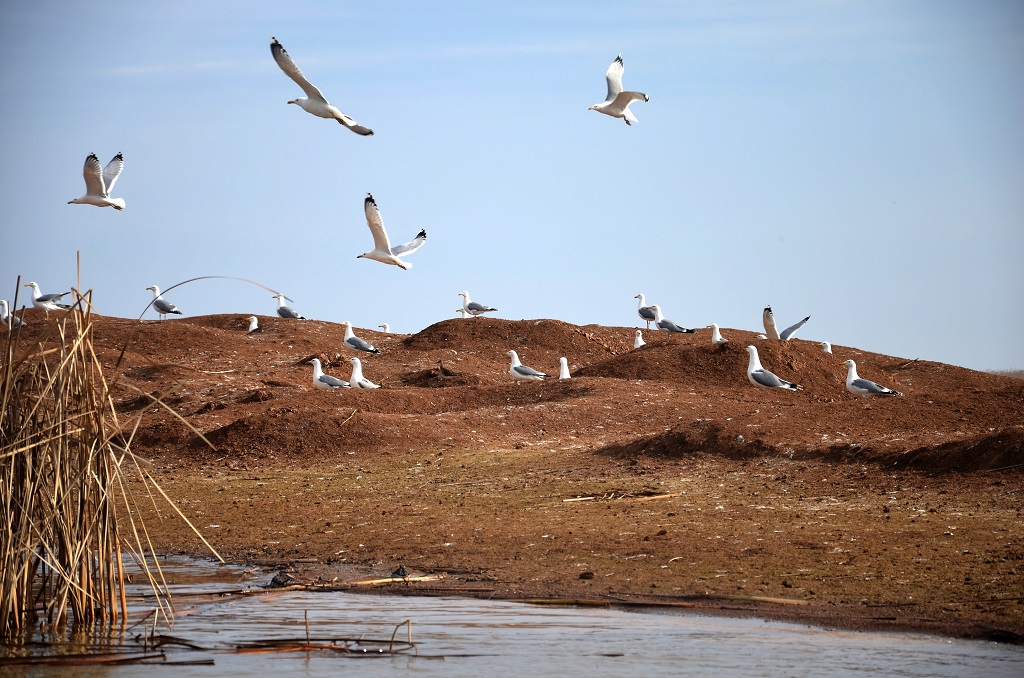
x=762 y=378
x=326 y=381
x=521 y=372
x=651 y=313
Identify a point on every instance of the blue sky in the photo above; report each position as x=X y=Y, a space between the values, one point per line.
x=861 y=162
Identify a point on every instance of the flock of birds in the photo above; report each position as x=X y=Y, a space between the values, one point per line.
x=100 y=181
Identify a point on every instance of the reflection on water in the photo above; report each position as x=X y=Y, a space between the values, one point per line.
x=468 y=637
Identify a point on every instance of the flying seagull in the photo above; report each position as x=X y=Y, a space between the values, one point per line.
x=521 y=372
x=863 y=387
x=644 y=311
x=716 y=335
x=47 y=302
x=326 y=381
x=286 y=311
x=473 y=308
x=617 y=103
x=314 y=102
x=762 y=378
x=358 y=380
x=638 y=339
x=382 y=250
x=355 y=343
x=7 y=318
x=162 y=306
x=769 y=326
x=667 y=325
x=99 y=182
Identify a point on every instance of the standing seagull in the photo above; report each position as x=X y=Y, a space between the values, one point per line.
x=47 y=302
x=667 y=325
x=382 y=250
x=326 y=381
x=864 y=387
x=286 y=311
x=644 y=311
x=473 y=308
x=385 y=327
x=7 y=318
x=358 y=380
x=355 y=343
x=162 y=306
x=638 y=339
x=563 y=369
x=254 y=324
x=826 y=347
x=314 y=102
x=99 y=182
x=617 y=103
x=769 y=326
x=716 y=336
x=521 y=372
x=762 y=378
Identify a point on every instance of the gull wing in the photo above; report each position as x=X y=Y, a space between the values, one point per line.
x=112 y=171
x=93 y=173
x=292 y=71
x=376 y=224
x=789 y=331
x=528 y=371
x=353 y=125
x=412 y=245
x=614 y=78
x=766 y=378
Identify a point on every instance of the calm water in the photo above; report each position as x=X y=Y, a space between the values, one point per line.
x=468 y=637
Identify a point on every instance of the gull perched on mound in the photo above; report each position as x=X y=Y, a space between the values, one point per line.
x=644 y=311
x=358 y=380
x=473 y=308
x=762 y=378
x=863 y=387
x=254 y=324
x=355 y=343
x=666 y=325
x=286 y=311
x=47 y=302
x=638 y=339
x=826 y=347
x=521 y=372
x=716 y=335
x=382 y=250
x=99 y=182
x=769 y=326
x=617 y=103
x=7 y=318
x=162 y=306
x=314 y=102
x=326 y=381
x=563 y=368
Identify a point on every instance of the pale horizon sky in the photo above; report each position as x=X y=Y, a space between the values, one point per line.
x=858 y=162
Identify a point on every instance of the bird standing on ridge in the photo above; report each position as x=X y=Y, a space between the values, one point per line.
x=473 y=308
x=666 y=325
x=254 y=324
x=326 y=381
x=47 y=302
x=314 y=102
x=99 y=182
x=638 y=339
x=769 y=326
x=762 y=378
x=644 y=311
x=7 y=318
x=286 y=311
x=355 y=343
x=617 y=103
x=382 y=250
x=162 y=306
x=521 y=372
x=358 y=380
x=563 y=369
x=826 y=347
x=716 y=335
x=863 y=387
x=385 y=327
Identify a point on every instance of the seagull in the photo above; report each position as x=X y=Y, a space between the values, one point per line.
x=162 y=306
x=521 y=372
x=47 y=302
x=382 y=250
x=326 y=381
x=769 y=326
x=464 y=312
x=385 y=327
x=254 y=324
x=314 y=102
x=285 y=311
x=644 y=311
x=358 y=380
x=100 y=182
x=473 y=308
x=864 y=387
x=667 y=325
x=638 y=339
x=617 y=103
x=716 y=336
x=355 y=343
x=826 y=347
x=7 y=318
x=563 y=369
x=762 y=378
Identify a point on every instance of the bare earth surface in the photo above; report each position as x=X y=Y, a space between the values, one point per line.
x=657 y=475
